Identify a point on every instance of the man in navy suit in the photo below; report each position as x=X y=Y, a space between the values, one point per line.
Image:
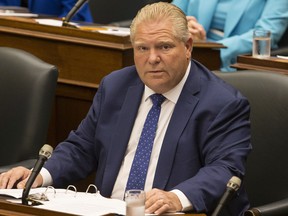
x=203 y=133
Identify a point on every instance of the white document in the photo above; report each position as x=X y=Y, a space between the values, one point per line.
x=119 y=31
x=52 y=22
x=82 y=203
x=18 y=14
x=69 y=201
x=17 y=193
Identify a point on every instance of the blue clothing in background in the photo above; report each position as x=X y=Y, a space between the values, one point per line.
x=218 y=20
x=57 y=8
x=240 y=19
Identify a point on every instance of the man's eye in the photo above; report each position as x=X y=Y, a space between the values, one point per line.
x=142 y=48
x=165 y=47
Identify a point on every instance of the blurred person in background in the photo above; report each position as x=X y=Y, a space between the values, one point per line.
x=57 y=8
x=231 y=22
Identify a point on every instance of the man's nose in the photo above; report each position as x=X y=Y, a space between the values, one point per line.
x=154 y=57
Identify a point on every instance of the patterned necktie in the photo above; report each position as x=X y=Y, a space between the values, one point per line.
x=141 y=159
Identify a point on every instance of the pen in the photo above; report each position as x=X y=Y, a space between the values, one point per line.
x=92 y=28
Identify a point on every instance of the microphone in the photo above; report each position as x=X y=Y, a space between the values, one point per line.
x=232 y=186
x=275 y=208
x=44 y=154
x=71 y=13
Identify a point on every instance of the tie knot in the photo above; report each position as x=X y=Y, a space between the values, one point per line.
x=157 y=99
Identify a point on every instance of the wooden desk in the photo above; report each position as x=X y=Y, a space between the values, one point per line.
x=269 y=64
x=8 y=209
x=83 y=59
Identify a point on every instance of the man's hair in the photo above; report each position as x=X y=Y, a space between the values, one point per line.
x=162 y=11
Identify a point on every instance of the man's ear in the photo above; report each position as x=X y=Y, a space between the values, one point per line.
x=189 y=47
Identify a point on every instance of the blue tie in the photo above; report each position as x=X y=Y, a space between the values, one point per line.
x=141 y=159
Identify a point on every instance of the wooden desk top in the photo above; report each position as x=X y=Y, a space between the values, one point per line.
x=83 y=36
x=268 y=64
x=8 y=209
x=26 y=25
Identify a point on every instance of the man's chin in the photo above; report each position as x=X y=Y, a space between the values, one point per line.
x=158 y=87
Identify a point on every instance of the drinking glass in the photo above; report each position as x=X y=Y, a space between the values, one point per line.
x=261 y=43
x=135 y=202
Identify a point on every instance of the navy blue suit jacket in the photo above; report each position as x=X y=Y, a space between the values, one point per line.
x=206 y=143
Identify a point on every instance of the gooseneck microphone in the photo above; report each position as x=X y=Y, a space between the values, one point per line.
x=44 y=154
x=232 y=186
x=279 y=207
x=72 y=12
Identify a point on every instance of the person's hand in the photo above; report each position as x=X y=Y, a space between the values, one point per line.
x=159 y=201
x=196 y=30
x=17 y=177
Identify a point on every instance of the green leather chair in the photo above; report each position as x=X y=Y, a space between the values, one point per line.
x=27 y=91
x=266 y=179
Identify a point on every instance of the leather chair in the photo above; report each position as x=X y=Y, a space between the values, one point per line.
x=266 y=179
x=121 y=14
x=27 y=90
x=282 y=46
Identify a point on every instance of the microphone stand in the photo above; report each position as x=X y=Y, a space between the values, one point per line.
x=232 y=186
x=71 y=13
x=44 y=153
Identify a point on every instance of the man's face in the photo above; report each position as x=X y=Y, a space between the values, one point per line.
x=160 y=58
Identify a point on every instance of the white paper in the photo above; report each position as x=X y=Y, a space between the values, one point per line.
x=52 y=22
x=282 y=57
x=17 y=193
x=18 y=14
x=68 y=201
x=120 y=31
x=80 y=203
x=111 y=30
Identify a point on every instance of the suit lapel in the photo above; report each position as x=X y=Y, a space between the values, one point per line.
x=234 y=15
x=181 y=115
x=121 y=136
x=206 y=14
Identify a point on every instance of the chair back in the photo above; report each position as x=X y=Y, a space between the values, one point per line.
x=27 y=90
x=284 y=39
x=120 y=12
x=266 y=178
x=282 y=46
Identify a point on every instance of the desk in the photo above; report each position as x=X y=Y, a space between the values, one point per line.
x=8 y=209
x=83 y=59
x=274 y=64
